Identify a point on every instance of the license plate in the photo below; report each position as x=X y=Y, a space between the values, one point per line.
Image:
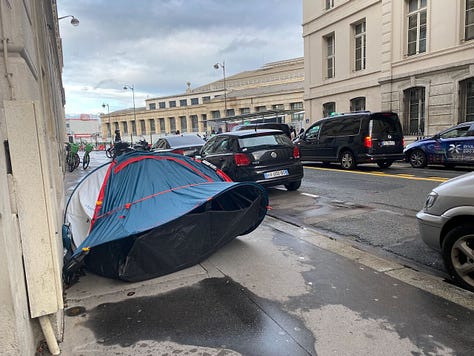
x=388 y=143
x=283 y=172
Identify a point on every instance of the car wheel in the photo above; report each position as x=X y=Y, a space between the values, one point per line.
x=417 y=159
x=384 y=163
x=293 y=186
x=347 y=160
x=458 y=255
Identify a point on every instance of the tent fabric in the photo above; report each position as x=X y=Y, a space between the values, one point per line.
x=160 y=212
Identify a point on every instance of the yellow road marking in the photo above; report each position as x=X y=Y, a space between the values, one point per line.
x=401 y=176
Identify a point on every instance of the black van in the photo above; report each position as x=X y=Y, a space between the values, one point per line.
x=350 y=139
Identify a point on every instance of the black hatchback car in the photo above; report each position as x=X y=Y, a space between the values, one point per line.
x=350 y=139
x=267 y=157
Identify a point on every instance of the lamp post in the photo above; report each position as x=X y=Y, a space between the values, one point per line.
x=132 y=88
x=222 y=65
x=109 y=131
x=74 y=21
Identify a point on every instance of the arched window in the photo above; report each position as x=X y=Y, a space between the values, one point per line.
x=358 y=104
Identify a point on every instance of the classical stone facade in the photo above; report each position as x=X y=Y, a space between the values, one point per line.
x=414 y=57
x=273 y=92
x=31 y=176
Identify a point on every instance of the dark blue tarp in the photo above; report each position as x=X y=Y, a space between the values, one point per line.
x=161 y=212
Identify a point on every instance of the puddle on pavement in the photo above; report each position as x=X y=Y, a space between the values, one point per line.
x=215 y=312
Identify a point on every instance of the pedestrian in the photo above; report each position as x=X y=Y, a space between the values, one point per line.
x=177 y=132
x=301 y=131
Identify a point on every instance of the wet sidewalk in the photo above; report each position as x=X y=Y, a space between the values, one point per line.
x=281 y=290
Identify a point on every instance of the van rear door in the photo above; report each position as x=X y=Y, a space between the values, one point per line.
x=385 y=133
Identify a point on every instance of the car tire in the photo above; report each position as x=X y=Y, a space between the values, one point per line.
x=458 y=255
x=347 y=160
x=417 y=159
x=385 y=163
x=293 y=186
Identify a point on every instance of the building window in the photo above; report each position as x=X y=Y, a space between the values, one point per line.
x=172 y=104
x=162 y=105
x=244 y=111
x=142 y=127
x=204 y=121
x=194 y=101
x=134 y=128
x=194 y=123
x=466 y=100
x=329 y=4
x=296 y=106
x=416 y=27
x=469 y=21
x=183 y=102
x=230 y=112
x=216 y=114
x=206 y=99
x=152 y=106
x=172 y=124
x=125 y=127
x=330 y=56
x=183 y=123
x=260 y=108
x=359 y=46
x=161 y=121
x=358 y=104
x=329 y=108
x=152 y=126
x=278 y=107
x=116 y=125
x=414 y=124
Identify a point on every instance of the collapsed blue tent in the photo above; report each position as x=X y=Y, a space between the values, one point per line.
x=157 y=213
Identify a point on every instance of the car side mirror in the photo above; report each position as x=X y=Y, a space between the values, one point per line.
x=436 y=137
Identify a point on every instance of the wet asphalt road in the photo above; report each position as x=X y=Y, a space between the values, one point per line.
x=277 y=291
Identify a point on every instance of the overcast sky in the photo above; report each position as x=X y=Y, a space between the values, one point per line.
x=159 y=45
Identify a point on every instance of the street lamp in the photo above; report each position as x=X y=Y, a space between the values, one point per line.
x=109 y=131
x=222 y=65
x=132 y=88
x=74 y=21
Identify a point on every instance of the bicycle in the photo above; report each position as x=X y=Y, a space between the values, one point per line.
x=72 y=158
x=86 y=159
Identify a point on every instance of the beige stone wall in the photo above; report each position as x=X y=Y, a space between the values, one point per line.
x=31 y=175
x=448 y=59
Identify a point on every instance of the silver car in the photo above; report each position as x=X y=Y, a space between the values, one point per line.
x=446 y=224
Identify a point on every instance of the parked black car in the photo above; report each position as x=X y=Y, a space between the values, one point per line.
x=267 y=157
x=187 y=145
x=265 y=125
x=354 y=138
x=453 y=146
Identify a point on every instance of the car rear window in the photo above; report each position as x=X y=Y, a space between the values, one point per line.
x=184 y=140
x=384 y=124
x=264 y=140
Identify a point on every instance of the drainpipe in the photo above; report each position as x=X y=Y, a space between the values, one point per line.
x=49 y=335
x=8 y=75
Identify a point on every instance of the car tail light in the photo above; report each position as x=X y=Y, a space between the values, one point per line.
x=241 y=159
x=296 y=152
x=368 y=142
x=178 y=151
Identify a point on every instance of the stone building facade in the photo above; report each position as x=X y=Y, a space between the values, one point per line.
x=31 y=176
x=271 y=93
x=413 y=57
